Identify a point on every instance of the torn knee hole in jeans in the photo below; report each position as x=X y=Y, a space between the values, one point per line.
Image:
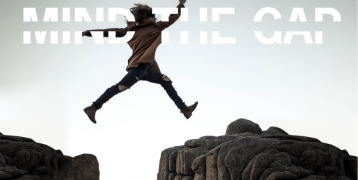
x=122 y=88
x=165 y=78
x=136 y=78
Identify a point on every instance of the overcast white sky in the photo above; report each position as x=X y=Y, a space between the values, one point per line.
x=305 y=89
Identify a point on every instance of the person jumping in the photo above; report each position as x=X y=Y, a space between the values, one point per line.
x=141 y=65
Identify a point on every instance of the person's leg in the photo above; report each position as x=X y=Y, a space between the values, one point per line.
x=158 y=78
x=128 y=81
x=132 y=77
x=166 y=83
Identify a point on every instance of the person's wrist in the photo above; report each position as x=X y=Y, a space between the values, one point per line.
x=182 y=2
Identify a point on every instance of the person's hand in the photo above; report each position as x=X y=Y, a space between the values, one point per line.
x=182 y=1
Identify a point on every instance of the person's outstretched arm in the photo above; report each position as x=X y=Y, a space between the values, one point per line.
x=120 y=32
x=172 y=17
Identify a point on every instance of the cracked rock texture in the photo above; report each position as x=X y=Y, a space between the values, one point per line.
x=23 y=159
x=246 y=152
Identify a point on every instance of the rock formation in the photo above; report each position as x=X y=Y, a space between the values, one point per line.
x=246 y=152
x=23 y=159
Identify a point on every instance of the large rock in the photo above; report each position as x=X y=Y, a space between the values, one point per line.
x=23 y=159
x=248 y=153
x=351 y=166
x=85 y=167
x=167 y=164
x=241 y=126
x=274 y=131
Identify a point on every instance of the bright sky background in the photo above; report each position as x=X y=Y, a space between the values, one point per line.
x=308 y=90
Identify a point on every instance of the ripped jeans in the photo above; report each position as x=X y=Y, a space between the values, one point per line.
x=142 y=72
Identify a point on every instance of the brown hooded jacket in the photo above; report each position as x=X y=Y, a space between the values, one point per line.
x=146 y=39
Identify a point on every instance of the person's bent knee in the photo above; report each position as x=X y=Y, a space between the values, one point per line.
x=166 y=78
x=122 y=87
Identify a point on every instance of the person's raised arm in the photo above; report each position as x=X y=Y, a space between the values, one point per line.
x=172 y=17
x=120 y=32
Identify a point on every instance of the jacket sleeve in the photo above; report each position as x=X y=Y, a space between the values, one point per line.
x=120 y=32
x=172 y=18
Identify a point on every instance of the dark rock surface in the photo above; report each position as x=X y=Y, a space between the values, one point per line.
x=23 y=159
x=241 y=126
x=248 y=153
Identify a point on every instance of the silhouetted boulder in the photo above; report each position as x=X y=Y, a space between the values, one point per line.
x=23 y=159
x=274 y=131
x=350 y=163
x=241 y=126
x=248 y=153
x=85 y=166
